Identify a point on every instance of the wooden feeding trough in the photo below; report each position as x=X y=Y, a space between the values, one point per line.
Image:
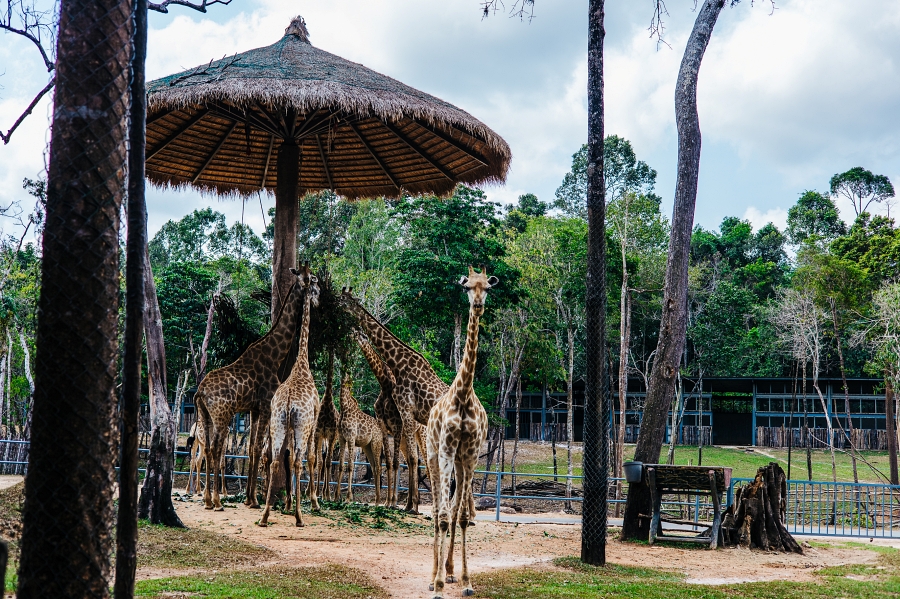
x=692 y=481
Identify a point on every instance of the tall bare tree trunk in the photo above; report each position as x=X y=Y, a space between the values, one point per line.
x=674 y=310
x=890 y=416
x=596 y=388
x=837 y=339
x=518 y=428
x=68 y=510
x=624 y=349
x=156 y=494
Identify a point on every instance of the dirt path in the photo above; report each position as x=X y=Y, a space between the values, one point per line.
x=400 y=559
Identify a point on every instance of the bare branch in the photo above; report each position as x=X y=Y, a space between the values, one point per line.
x=215 y=72
x=523 y=9
x=5 y=136
x=657 y=27
x=34 y=25
x=163 y=7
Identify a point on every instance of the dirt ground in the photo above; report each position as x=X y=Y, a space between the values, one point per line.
x=400 y=559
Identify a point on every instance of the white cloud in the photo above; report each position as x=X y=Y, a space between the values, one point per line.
x=759 y=219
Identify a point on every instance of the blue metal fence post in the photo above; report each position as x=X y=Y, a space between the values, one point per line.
x=497 y=493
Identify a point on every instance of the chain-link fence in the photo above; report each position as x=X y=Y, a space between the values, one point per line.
x=69 y=496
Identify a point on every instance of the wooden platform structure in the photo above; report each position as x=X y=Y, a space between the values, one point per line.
x=685 y=480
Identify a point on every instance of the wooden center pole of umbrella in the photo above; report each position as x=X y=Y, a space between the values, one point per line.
x=287 y=209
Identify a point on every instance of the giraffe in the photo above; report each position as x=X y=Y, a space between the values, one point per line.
x=326 y=436
x=295 y=409
x=389 y=418
x=416 y=386
x=246 y=385
x=358 y=429
x=455 y=433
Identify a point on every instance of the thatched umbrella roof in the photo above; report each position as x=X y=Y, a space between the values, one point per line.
x=219 y=127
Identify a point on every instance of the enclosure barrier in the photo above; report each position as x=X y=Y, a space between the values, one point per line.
x=839 y=509
x=813 y=507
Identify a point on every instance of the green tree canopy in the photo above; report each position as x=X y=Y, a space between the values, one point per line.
x=862 y=187
x=814 y=218
x=622 y=170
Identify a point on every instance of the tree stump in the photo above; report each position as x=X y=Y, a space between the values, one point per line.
x=756 y=517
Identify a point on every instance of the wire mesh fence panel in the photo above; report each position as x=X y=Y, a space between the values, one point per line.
x=68 y=513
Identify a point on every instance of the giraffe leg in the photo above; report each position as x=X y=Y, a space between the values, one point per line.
x=412 y=463
x=434 y=475
x=299 y=454
x=218 y=444
x=373 y=454
x=258 y=426
x=277 y=436
x=396 y=472
x=253 y=456
x=453 y=521
x=312 y=463
x=466 y=515
x=445 y=465
x=336 y=452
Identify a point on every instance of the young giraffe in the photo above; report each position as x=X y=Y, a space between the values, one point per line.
x=246 y=385
x=416 y=386
x=389 y=418
x=455 y=433
x=327 y=433
x=358 y=429
x=295 y=409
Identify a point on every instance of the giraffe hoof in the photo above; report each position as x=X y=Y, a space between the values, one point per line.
x=451 y=578
x=299 y=525
x=219 y=509
x=207 y=507
x=431 y=587
x=468 y=592
x=255 y=506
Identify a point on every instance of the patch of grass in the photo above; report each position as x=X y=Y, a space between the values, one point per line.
x=579 y=581
x=330 y=582
x=162 y=547
x=377 y=517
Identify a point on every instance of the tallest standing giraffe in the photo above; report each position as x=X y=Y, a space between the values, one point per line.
x=456 y=431
x=247 y=385
x=416 y=386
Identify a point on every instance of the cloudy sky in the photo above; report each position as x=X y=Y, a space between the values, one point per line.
x=786 y=98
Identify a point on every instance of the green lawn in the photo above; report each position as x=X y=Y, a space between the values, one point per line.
x=744 y=462
x=331 y=582
x=577 y=581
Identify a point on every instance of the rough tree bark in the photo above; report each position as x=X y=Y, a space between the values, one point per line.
x=130 y=408
x=156 y=493
x=68 y=512
x=674 y=312
x=756 y=517
x=596 y=400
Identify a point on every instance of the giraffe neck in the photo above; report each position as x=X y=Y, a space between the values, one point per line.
x=277 y=342
x=466 y=374
x=398 y=357
x=348 y=402
x=385 y=380
x=303 y=350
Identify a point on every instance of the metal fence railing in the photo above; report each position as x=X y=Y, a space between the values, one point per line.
x=839 y=509
x=813 y=507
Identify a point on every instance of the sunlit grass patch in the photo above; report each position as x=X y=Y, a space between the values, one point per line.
x=329 y=582
x=580 y=581
x=162 y=547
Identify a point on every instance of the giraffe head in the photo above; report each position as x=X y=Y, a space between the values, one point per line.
x=308 y=282
x=477 y=285
x=350 y=303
